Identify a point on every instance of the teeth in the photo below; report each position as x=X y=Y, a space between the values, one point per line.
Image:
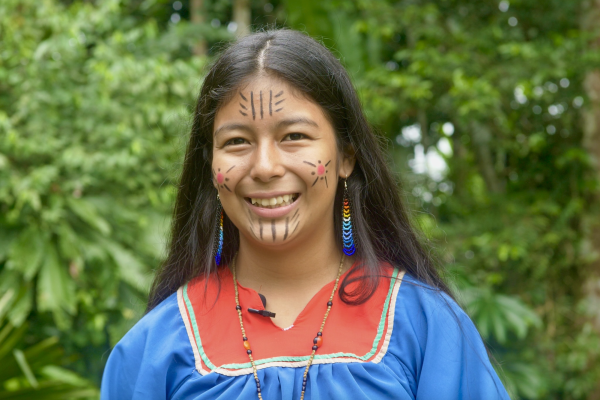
x=274 y=202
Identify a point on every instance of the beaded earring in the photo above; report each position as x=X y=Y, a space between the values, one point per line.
x=219 y=241
x=347 y=234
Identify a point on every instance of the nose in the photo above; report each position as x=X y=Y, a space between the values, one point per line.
x=267 y=163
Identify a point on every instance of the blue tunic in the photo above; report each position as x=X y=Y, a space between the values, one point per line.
x=430 y=350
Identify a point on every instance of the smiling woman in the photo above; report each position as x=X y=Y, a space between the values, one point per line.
x=293 y=270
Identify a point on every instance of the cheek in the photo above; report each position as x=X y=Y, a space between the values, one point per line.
x=225 y=176
x=319 y=171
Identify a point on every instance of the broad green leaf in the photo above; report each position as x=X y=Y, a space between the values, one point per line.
x=88 y=213
x=27 y=252
x=22 y=306
x=24 y=365
x=55 y=291
x=131 y=270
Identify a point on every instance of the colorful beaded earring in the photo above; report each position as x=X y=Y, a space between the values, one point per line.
x=219 y=241
x=347 y=234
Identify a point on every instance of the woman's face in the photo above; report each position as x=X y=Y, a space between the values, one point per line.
x=276 y=163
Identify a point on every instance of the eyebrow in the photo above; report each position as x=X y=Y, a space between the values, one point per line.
x=232 y=127
x=293 y=121
x=281 y=124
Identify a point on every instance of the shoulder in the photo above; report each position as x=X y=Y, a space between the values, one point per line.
x=155 y=356
x=439 y=346
x=431 y=314
x=424 y=305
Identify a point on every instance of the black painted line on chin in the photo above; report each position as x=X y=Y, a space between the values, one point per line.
x=309 y=163
x=261 y=228
x=287 y=220
x=296 y=227
x=295 y=215
x=251 y=223
x=270 y=102
x=252 y=104
x=273 y=229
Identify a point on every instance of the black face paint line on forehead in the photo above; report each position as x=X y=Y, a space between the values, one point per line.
x=221 y=178
x=274 y=101
x=244 y=108
x=277 y=102
x=320 y=171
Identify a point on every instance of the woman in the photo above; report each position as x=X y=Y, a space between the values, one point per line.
x=293 y=271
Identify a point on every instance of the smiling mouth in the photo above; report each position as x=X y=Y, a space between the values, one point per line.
x=274 y=202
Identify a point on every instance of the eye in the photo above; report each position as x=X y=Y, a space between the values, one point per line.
x=295 y=136
x=235 y=142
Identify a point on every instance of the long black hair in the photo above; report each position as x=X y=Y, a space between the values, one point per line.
x=382 y=227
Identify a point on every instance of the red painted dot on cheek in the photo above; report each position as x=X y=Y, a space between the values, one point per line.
x=320 y=170
x=220 y=178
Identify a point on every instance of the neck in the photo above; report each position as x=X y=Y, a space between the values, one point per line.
x=311 y=261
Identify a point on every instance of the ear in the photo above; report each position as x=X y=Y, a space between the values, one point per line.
x=213 y=179
x=348 y=162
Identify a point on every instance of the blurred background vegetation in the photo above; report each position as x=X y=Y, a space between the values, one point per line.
x=491 y=110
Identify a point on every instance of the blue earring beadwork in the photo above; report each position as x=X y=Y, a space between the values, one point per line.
x=347 y=234
x=219 y=241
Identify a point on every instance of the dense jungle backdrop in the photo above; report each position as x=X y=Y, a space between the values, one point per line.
x=491 y=114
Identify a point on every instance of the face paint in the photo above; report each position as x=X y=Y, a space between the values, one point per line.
x=277 y=147
x=320 y=171
x=221 y=179
x=291 y=223
x=244 y=110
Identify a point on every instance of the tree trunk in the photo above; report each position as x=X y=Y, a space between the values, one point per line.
x=481 y=142
x=591 y=142
x=197 y=17
x=241 y=16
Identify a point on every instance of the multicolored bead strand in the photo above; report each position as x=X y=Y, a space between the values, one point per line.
x=219 y=246
x=317 y=341
x=347 y=234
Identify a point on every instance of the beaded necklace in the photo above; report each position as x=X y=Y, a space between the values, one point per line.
x=317 y=341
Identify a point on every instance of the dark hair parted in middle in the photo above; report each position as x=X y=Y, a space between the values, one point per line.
x=382 y=228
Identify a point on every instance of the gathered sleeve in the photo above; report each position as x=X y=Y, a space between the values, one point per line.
x=440 y=349
x=152 y=360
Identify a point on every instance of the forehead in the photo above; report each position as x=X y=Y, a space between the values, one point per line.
x=265 y=101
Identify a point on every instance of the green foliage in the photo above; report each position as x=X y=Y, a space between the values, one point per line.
x=31 y=370
x=95 y=98
x=92 y=103
x=496 y=96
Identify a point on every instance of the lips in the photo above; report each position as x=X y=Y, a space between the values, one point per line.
x=273 y=202
x=279 y=209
